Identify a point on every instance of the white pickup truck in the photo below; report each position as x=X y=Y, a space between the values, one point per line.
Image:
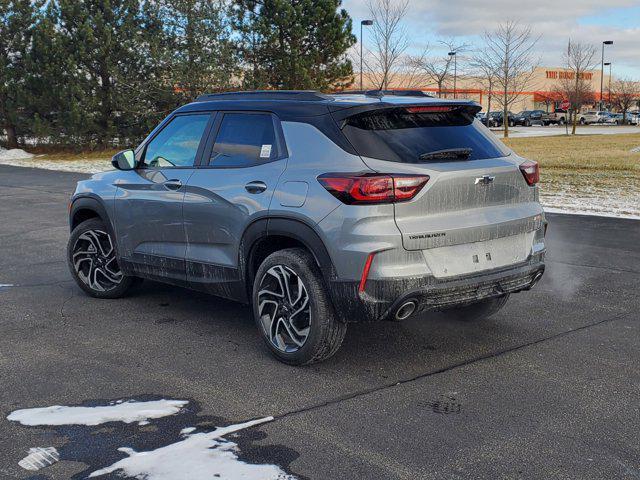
x=559 y=117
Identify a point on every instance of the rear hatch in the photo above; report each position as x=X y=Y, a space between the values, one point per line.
x=477 y=211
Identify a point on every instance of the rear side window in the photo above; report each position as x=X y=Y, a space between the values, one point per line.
x=407 y=135
x=245 y=140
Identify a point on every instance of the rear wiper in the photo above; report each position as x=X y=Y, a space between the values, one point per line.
x=448 y=154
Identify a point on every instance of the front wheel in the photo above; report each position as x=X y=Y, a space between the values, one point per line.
x=91 y=256
x=479 y=310
x=293 y=311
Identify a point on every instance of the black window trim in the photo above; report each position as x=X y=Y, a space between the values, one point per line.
x=141 y=151
x=215 y=129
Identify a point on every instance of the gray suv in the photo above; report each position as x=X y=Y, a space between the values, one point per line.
x=318 y=210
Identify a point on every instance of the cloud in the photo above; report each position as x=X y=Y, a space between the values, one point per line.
x=554 y=21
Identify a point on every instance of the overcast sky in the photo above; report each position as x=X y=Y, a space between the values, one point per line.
x=554 y=21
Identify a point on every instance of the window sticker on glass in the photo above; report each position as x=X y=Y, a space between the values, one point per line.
x=265 y=151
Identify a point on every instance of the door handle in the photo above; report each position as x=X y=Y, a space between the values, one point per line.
x=174 y=184
x=255 y=187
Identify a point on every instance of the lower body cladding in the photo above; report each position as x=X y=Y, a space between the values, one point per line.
x=398 y=299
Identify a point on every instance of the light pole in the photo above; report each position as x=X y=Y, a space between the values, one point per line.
x=609 y=99
x=368 y=23
x=455 y=70
x=606 y=42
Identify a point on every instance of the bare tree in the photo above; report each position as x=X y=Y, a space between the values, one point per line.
x=435 y=70
x=390 y=41
x=579 y=59
x=486 y=72
x=625 y=94
x=509 y=50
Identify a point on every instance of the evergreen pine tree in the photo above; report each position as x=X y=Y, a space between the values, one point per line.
x=199 y=54
x=295 y=44
x=102 y=39
x=17 y=18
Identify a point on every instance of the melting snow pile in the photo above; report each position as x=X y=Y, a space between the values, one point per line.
x=19 y=158
x=126 y=412
x=39 y=458
x=636 y=150
x=14 y=154
x=197 y=456
x=201 y=456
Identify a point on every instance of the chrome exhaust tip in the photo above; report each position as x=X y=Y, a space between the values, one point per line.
x=405 y=310
x=536 y=279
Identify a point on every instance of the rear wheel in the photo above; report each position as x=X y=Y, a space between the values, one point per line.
x=91 y=256
x=479 y=310
x=292 y=309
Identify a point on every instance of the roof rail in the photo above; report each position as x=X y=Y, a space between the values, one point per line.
x=303 y=95
x=380 y=93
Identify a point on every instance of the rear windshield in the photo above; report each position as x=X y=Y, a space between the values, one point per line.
x=398 y=135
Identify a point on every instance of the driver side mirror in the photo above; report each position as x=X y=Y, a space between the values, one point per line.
x=124 y=160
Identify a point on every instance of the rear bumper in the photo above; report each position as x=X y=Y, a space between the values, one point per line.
x=382 y=298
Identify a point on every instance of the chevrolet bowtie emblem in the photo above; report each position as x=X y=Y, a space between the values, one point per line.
x=485 y=180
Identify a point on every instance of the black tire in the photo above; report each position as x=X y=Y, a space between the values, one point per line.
x=527 y=123
x=582 y=121
x=325 y=331
x=479 y=310
x=561 y=122
x=78 y=269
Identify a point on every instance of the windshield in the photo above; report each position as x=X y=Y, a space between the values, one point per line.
x=399 y=135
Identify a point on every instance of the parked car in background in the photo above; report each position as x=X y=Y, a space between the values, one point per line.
x=531 y=117
x=593 y=116
x=559 y=117
x=630 y=118
x=612 y=119
x=495 y=119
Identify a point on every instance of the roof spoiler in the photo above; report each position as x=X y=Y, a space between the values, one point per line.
x=468 y=105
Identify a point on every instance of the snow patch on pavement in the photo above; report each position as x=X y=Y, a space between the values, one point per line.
x=622 y=204
x=39 y=458
x=200 y=456
x=127 y=412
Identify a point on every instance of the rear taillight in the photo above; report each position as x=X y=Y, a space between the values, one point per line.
x=354 y=188
x=531 y=172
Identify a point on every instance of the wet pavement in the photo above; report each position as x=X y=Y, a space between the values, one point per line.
x=548 y=388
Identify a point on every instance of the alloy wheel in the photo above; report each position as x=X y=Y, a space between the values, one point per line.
x=94 y=260
x=284 y=310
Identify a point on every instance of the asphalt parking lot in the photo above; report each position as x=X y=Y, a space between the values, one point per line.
x=548 y=388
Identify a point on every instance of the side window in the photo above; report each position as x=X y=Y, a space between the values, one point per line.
x=244 y=140
x=177 y=144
